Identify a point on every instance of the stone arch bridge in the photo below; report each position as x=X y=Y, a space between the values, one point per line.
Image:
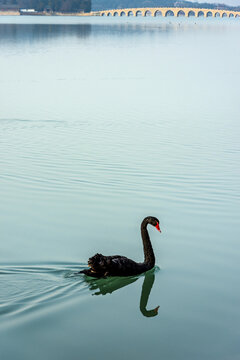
x=168 y=11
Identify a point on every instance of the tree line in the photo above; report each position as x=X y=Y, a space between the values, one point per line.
x=88 y=5
x=123 y=4
x=50 y=5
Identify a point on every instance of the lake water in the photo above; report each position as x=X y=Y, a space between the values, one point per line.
x=103 y=122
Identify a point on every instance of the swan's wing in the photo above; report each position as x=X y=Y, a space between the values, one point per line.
x=112 y=265
x=122 y=266
x=99 y=261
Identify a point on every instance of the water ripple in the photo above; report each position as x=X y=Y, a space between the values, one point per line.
x=26 y=288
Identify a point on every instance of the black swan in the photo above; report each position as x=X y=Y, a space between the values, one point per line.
x=116 y=265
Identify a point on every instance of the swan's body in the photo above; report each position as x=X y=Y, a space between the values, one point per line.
x=116 y=265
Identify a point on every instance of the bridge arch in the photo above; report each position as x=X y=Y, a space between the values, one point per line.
x=148 y=13
x=169 y=13
x=115 y=13
x=181 y=13
x=217 y=14
x=130 y=13
x=224 y=14
x=122 y=13
x=109 y=14
x=237 y=16
x=209 y=14
x=200 y=13
x=231 y=15
x=191 y=13
x=138 y=13
x=158 y=13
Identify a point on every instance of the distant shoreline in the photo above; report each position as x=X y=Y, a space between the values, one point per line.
x=17 y=13
x=5 y=13
x=113 y=12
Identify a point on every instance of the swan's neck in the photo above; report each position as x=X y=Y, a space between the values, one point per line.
x=149 y=258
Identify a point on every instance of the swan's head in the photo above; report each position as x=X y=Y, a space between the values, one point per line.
x=154 y=222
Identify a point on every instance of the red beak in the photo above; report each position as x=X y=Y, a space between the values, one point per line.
x=158 y=227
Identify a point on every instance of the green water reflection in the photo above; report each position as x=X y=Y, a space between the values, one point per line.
x=109 y=285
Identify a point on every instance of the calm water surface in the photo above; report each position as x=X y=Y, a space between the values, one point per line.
x=103 y=122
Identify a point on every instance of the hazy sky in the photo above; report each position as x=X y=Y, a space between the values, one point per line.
x=227 y=2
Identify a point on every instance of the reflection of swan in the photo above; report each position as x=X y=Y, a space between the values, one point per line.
x=107 y=286
x=116 y=265
x=146 y=289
